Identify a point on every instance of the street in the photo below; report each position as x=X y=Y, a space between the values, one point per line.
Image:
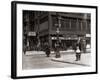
x=40 y=61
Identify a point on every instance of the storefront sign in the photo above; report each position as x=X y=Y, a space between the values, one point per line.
x=32 y=34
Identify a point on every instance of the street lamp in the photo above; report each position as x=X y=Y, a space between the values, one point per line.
x=58 y=25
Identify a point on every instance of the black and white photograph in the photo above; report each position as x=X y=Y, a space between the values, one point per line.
x=56 y=39
x=53 y=39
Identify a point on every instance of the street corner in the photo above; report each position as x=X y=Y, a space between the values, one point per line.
x=71 y=59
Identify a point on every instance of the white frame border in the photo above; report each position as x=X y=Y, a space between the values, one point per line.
x=52 y=71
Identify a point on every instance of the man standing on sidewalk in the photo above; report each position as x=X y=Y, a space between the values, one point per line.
x=78 y=50
x=78 y=54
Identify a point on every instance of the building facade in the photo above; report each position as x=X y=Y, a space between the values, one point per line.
x=51 y=26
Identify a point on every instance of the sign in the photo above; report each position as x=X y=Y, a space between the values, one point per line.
x=88 y=35
x=32 y=34
x=63 y=38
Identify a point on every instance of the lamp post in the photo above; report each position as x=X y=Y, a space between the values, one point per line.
x=58 y=25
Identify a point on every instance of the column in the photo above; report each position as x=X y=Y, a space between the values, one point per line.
x=49 y=29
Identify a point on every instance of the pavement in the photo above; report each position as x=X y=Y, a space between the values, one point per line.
x=38 y=59
x=70 y=58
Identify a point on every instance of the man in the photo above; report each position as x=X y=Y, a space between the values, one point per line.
x=78 y=54
x=78 y=51
x=47 y=49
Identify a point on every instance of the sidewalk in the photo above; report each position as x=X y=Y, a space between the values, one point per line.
x=52 y=52
x=70 y=58
x=34 y=52
x=38 y=59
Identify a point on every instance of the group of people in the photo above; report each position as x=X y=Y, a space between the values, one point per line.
x=47 y=49
x=77 y=48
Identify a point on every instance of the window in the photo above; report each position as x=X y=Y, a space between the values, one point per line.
x=73 y=24
x=54 y=22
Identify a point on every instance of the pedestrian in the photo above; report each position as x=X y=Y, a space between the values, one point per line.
x=47 y=49
x=78 y=54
